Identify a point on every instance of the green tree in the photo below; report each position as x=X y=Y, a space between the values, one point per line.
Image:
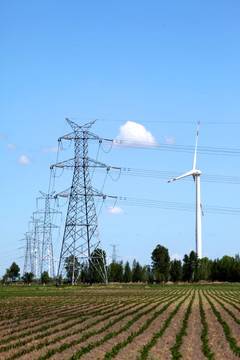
x=115 y=272
x=97 y=266
x=146 y=273
x=237 y=268
x=190 y=267
x=28 y=277
x=136 y=271
x=160 y=263
x=72 y=263
x=175 y=270
x=215 y=270
x=5 y=277
x=45 y=278
x=204 y=269
x=14 y=271
x=226 y=267
x=127 y=276
x=84 y=272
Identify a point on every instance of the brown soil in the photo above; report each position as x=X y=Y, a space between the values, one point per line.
x=30 y=313
x=192 y=343
x=162 y=349
x=100 y=351
x=235 y=328
x=217 y=341
x=35 y=354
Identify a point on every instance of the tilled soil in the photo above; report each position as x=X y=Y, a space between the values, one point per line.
x=191 y=346
x=19 y=316
x=217 y=340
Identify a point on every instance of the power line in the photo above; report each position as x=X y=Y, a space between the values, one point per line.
x=170 y=205
x=177 y=148
x=172 y=121
x=148 y=173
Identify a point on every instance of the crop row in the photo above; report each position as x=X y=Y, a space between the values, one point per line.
x=45 y=333
x=114 y=323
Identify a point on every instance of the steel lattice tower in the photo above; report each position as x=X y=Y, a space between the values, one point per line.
x=81 y=235
x=28 y=261
x=114 y=253
x=47 y=259
x=36 y=257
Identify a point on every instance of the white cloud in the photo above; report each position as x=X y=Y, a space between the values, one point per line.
x=53 y=149
x=115 y=210
x=135 y=134
x=170 y=140
x=176 y=256
x=11 y=146
x=3 y=136
x=24 y=160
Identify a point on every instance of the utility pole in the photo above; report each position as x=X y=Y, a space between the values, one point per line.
x=81 y=239
x=47 y=259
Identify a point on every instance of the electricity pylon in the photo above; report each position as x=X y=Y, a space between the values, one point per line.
x=36 y=245
x=47 y=259
x=81 y=239
x=114 y=253
x=28 y=261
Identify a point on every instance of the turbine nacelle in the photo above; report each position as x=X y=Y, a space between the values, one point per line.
x=197 y=172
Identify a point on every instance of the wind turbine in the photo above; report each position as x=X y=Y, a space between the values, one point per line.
x=196 y=177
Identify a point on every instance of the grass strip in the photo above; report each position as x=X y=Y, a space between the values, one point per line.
x=204 y=334
x=227 y=331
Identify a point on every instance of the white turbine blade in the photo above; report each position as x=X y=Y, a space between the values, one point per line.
x=182 y=176
x=195 y=153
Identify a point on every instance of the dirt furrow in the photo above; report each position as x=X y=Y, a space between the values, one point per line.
x=192 y=343
x=71 y=336
x=235 y=328
x=162 y=349
x=113 y=341
x=131 y=350
x=217 y=341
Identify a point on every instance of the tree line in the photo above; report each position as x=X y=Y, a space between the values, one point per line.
x=162 y=269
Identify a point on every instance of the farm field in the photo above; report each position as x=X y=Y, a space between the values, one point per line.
x=133 y=321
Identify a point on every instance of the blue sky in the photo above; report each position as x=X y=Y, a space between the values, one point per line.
x=162 y=64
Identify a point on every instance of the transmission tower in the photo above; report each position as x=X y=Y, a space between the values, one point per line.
x=36 y=245
x=47 y=259
x=114 y=253
x=81 y=239
x=28 y=261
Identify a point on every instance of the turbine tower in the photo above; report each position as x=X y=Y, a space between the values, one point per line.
x=196 y=177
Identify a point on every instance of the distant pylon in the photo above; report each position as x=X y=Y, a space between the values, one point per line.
x=81 y=239
x=28 y=261
x=36 y=245
x=114 y=253
x=47 y=259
